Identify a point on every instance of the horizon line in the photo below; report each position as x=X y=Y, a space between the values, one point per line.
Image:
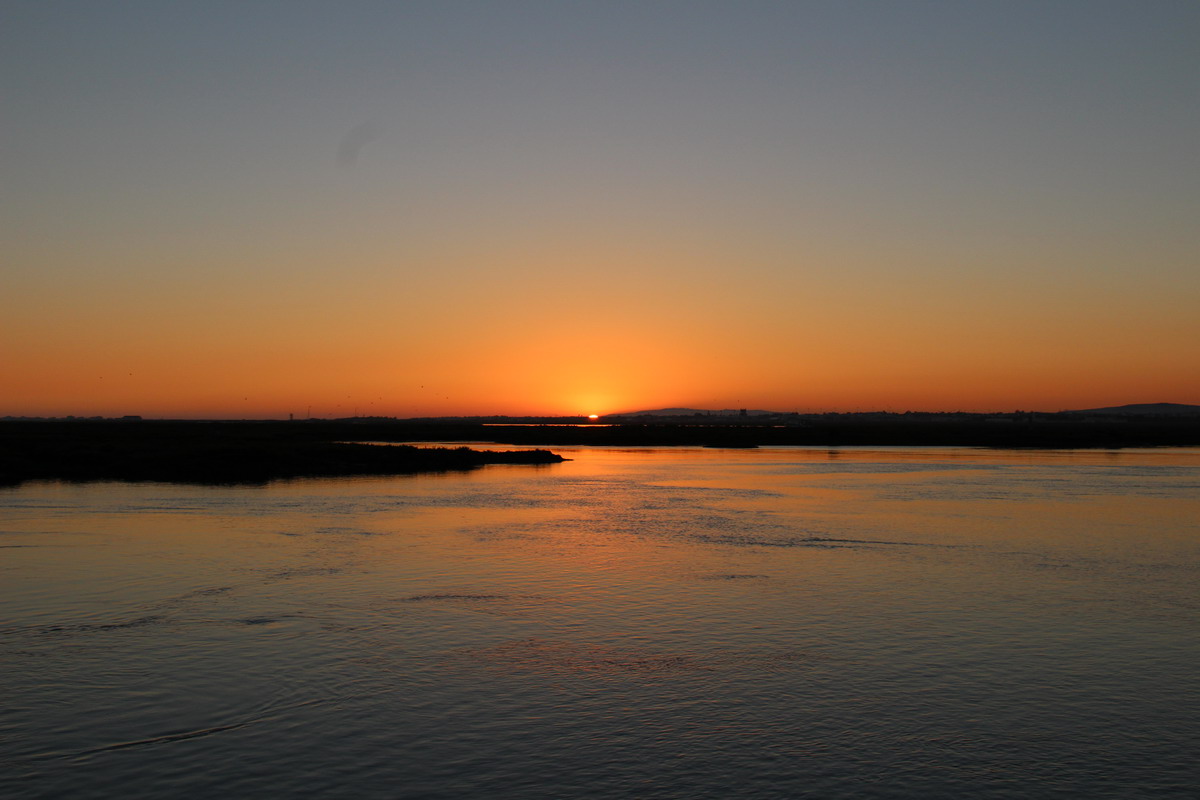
x=659 y=412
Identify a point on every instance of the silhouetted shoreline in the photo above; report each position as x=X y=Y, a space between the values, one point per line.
x=258 y=451
x=216 y=453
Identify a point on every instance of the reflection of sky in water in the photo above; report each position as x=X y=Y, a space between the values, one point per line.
x=654 y=623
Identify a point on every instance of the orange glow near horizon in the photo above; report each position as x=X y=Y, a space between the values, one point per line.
x=804 y=326
x=817 y=327
x=529 y=351
x=516 y=375
x=782 y=210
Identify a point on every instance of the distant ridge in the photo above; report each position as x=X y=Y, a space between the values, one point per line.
x=1144 y=410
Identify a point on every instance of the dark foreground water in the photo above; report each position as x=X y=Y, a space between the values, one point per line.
x=634 y=623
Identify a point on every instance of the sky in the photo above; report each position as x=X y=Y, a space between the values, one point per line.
x=256 y=209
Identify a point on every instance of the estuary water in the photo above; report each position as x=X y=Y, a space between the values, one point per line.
x=633 y=623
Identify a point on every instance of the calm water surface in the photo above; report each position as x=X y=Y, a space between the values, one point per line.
x=633 y=623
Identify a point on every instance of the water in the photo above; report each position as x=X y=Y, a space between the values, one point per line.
x=633 y=623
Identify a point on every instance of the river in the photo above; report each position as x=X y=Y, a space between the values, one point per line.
x=650 y=623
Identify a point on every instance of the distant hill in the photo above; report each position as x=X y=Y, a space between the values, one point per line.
x=1144 y=410
x=688 y=412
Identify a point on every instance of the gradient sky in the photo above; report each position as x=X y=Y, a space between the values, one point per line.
x=251 y=209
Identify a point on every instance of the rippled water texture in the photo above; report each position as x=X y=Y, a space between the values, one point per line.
x=632 y=623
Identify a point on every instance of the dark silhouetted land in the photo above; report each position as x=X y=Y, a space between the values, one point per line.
x=1172 y=425
x=259 y=451
x=217 y=452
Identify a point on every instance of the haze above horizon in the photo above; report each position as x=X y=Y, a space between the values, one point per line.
x=229 y=210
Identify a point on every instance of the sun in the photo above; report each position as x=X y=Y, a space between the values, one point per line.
x=593 y=416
